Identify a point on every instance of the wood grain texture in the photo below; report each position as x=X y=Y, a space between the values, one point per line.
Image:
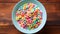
x=53 y=1
x=53 y=11
x=8 y=1
x=53 y=17
x=46 y=30
x=14 y=1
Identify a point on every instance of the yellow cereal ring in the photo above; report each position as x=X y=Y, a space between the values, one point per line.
x=22 y=17
x=32 y=28
x=35 y=25
x=17 y=18
x=29 y=15
x=37 y=8
x=32 y=10
x=24 y=7
x=30 y=4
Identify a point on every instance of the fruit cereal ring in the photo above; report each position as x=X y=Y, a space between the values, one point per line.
x=29 y=16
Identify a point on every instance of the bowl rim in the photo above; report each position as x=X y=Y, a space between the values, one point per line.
x=29 y=31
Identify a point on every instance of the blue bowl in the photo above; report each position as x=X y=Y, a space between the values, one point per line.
x=44 y=16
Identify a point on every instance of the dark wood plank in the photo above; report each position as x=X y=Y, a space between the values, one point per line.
x=53 y=11
x=50 y=30
x=6 y=13
x=45 y=30
x=53 y=1
x=43 y=1
x=8 y=1
x=14 y=1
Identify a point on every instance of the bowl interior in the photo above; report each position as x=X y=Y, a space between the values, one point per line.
x=41 y=8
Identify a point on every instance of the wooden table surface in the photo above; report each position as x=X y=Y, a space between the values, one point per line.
x=53 y=17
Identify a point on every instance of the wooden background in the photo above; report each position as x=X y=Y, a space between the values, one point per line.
x=53 y=17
